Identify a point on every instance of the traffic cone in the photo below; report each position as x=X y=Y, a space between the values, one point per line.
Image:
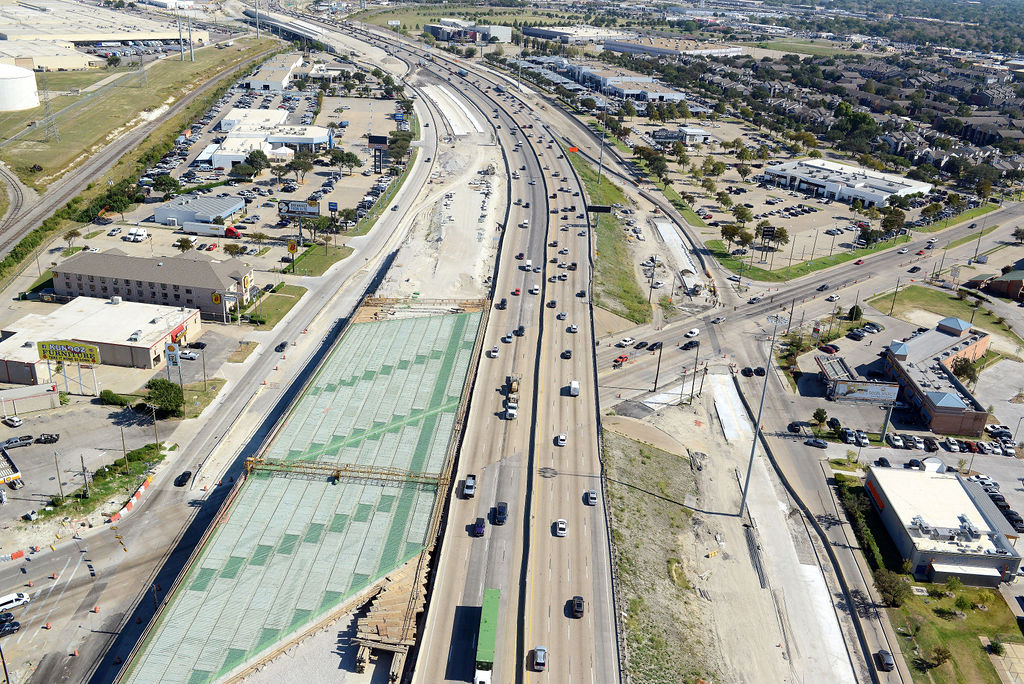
x=75 y=653
x=95 y=609
x=53 y=575
x=46 y=626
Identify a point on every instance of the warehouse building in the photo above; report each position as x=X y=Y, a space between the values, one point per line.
x=275 y=74
x=940 y=526
x=670 y=47
x=265 y=129
x=195 y=280
x=47 y=55
x=842 y=182
x=127 y=334
x=574 y=34
x=67 y=21
x=197 y=209
x=461 y=31
x=922 y=365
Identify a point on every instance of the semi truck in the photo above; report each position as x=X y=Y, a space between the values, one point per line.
x=487 y=636
x=512 y=398
x=210 y=230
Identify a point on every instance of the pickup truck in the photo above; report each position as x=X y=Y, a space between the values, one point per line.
x=47 y=438
x=12 y=442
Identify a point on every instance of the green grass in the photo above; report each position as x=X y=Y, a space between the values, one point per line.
x=943 y=303
x=71 y=251
x=955 y=220
x=804 y=47
x=615 y=284
x=317 y=259
x=273 y=306
x=414 y=15
x=69 y=80
x=364 y=224
x=740 y=264
x=198 y=396
x=242 y=352
x=969 y=238
x=90 y=124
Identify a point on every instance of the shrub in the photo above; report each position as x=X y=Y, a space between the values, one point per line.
x=892 y=587
x=111 y=398
x=996 y=647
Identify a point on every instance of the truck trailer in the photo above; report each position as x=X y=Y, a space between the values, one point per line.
x=210 y=230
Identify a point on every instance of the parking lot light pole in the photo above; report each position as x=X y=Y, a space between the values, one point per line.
x=760 y=410
x=1016 y=429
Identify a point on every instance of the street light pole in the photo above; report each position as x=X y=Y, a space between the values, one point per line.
x=1016 y=429
x=693 y=384
x=760 y=410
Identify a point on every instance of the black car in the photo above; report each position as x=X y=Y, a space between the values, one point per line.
x=552 y=304
x=818 y=443
x=577 y=606
x=183 y=479
x=692 y=344
x=6 y=617
x=915 y=463
x=834 y=423
x=9 y=628
x=500 y=513
x=502 y=304
x=478 y=527
x=567 y=354
x=884 y=661
x=794 y=427
x=281 y=347
x=640 y=345
x=48 y=438
x=883 y=462
x=930 y=444
x=759 y=372
x=655 y=346
x=822 y=287
x=746 y=372
x=914 y=269
x=197 y=345
x=581 y=293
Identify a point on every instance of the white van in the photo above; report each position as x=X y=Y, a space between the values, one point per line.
x=140 y=235
x=528 y=266
x=574 y=388
x=13 y=601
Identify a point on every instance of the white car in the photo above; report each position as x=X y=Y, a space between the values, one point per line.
x=693 y=333
x=560 y=439
x=625 y=342
x=560 y=316
x=535 y=290
x=719 y=319
x=560 y=528
x=952 y=445
x=13 y=421
x=494 y=352
x=832 y=298
x=573 y=328
x=902 y=251
x=895 y=440
x=188 y=355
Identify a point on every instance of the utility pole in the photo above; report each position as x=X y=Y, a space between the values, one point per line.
x=894 y=293
x=56 y=467
x=792 y=308
x=191 y=48
x=155 y=435
x=85 y=478
x=181 y=42
x=124 y=452
x=204 y=359
x=657 y=372
x=981 y=232
x=942 y=262
x=703 y=375
x=760 y=410
x=257 y=5
x=696 y=354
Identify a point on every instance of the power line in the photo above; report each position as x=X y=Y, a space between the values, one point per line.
x=49 y=120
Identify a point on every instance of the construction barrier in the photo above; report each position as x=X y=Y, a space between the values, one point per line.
x=132 y=501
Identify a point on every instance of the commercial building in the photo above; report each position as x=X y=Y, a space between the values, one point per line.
x=939 y=524
x=461 y=31
x=574 y=34
x=602 y=77
x=127 y=334
x=197 y=209
x=71 y=22
x=17 y=89
x=275 y=74
x=47 y=55
x=670 y=47
x=922 y=365
x=195 y=280
x=1009 y=284
x=265 y=129
x=842 y=182
x=690 y=135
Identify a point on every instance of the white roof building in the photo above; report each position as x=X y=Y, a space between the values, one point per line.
x=843 y=182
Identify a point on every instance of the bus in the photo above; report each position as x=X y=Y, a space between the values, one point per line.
x=487 y=636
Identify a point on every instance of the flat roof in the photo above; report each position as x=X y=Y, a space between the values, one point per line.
x=293 y=547
x=93 y=321
x=925 y=354
x=937 y=512
x=823 y=171
x=255 y=117
x=72 y=21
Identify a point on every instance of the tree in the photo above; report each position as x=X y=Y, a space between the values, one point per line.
x=729 y=233
x=233 y=249
x=628 y=110
x=113 y=61
x=983 y=188
x=893 y=220
x=820 y=416
x=723 y=199
x=165 y=395
x=242 y=170
x=258 y=238
x=940 y=655
x=855 y=313
x=708 y=185
x=892 y=587
x=470 y=52
x=166 y=183
x=743 y=215
x=184 y=244
x=300 y=166
x=258 y=160
x=71 y=236
x=744 y=170
x=279 y=171
x=588 y=103
x=964 y=369
x=219 y=220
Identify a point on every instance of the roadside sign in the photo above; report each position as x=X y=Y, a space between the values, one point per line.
x=377 y=142
x=768 y=233
x=293 y=246
x=298 y=208
x=68 y=351
x=172 y=351
x=332 y=207
x=216 y=298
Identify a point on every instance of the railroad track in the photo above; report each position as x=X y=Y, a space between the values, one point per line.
x=17 y=199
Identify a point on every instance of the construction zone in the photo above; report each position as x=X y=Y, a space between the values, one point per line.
x=338 y=510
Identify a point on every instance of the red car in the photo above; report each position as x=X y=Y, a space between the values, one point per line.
x=516 y=292
x=859 y=262
x=213 y=246
x=828 y=349
x=620 y=360
x=920 y=252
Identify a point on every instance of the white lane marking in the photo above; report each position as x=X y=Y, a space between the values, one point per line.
x=67 y=583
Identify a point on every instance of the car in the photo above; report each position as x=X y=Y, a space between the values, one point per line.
x=560 y=316
x=951 y=445
x=862 y=438
x=502 y=304
x=859 y=262
x=930 y=444
x=493 y=353
x=828 y=348
x=552 y=304
x=884 y=661
x=794 y=427
x=655 y=346
x=572 y=328
x=920 y=252
x=903 y=250
x=14 y=442
x=183 y=479
x=691 y=344
x=746 y=372
x=560 y=439
x=281 y=346
x=188 y=355
x=6 y=617
x=817 y=443
x=832 y=298
x=48 y=438
x=823 y=287
x=693 y=332
x=560 y=528
x=516 y=292
x=914 y=269
x=719 y=319
x=540 y=658
x=590 y=497
x=849 y=436
x=201 y=247
x=759 y=371
x=625 y=342
x=567 y=354
x=501 y=513
x=971 y=447
x=9 y=628
x=895 y=440
x=883 y=462
x=478 y=527
x=834 y=423
x=581 y=294
x=914 y=463
x=520 y=256
x=197 y=345
x=753 y=300
x=13 y=421
x=996 y=427
x=577 y=606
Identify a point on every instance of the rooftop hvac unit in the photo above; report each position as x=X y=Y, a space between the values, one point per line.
x=115 y=300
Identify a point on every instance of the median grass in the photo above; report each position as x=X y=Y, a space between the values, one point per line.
x=317 y=259
x=741 y=263
x=615 y=284
x=199 y=395
x=944 y=303
x=969 y=238
x=273 y=306
x=959 y=218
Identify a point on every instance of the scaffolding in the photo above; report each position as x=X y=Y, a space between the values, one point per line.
x=336 y=472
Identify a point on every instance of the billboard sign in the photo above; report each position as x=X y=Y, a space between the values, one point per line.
x=299 y=208
x=768 y=233
x=377 y=142
x=599 y=208
x=68 y=351
x=172 y=351
x=399 y=116
x=870 y=392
